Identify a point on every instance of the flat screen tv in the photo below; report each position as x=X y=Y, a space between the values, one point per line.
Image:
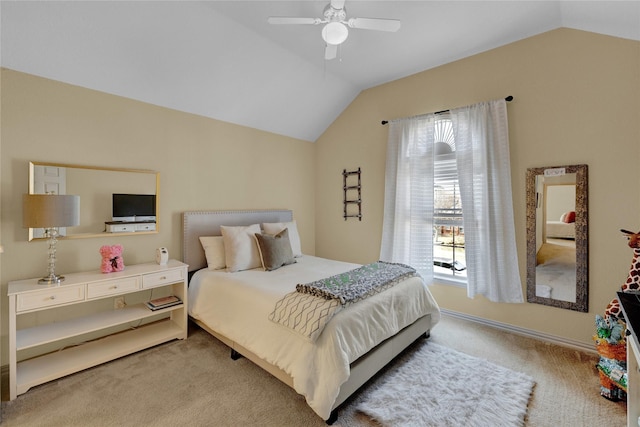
x=134 y=207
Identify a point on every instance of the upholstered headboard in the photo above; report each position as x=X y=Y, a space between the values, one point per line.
x=207 y=223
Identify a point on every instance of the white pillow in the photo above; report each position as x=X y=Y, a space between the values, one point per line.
x=214 y=252
x=274 y=228
x=240 y=249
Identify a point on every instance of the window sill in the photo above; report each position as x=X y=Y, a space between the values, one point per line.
x=449 y=281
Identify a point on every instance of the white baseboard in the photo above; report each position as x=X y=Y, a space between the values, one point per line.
x=564 y=342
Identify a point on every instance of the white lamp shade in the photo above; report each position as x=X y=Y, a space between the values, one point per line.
x=335 y=33
x=50 y=210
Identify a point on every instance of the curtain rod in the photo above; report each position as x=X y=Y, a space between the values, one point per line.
x=508 y=99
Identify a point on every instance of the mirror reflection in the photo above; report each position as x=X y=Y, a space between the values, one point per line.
x=557 y=236
x=556 y=255
x=95 y=186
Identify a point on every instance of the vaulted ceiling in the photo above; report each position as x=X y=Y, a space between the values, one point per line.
x=221 y=59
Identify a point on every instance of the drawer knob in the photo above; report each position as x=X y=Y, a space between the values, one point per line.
x=114 y=287
x=52 y=297
x=163 y=278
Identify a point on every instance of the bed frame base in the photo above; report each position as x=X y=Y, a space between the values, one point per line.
x=333 y=417
x=361 y=370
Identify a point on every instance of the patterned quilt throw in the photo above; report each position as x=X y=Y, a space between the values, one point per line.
x=312 y=305
x=362 y=282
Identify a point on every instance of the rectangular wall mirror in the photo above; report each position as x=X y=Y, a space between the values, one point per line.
x=96 y=187
x=557 y=237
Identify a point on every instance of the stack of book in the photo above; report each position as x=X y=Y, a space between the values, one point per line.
x=164 y=302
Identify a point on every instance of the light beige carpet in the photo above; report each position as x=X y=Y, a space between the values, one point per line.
x=195 y=383
x=556 y=270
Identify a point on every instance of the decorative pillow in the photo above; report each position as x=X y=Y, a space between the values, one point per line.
x=214 y=251
x=240 y=249
x=275 y=251
x=294 y=237
x=569 y=217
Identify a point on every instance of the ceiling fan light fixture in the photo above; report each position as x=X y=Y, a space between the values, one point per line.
x=335 y=33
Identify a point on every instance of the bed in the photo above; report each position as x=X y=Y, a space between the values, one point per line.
x=355 y=344
x=561 y=230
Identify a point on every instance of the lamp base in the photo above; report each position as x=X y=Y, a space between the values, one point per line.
x=51 y=280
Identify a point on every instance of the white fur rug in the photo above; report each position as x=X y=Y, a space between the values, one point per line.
x=438 y=386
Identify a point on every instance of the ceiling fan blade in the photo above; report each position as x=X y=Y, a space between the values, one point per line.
x=285 y=20
x=374 y=24
x=331 y=51
x=337 y=4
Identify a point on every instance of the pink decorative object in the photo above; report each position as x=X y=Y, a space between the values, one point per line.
x=569 y=217
x=111 y=258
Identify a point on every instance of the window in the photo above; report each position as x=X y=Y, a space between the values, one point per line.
x=448 y=234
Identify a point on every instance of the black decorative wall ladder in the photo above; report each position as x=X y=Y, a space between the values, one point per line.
x=352 y=194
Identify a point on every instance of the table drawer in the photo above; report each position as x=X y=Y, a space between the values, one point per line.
x=162 y=278
x=147 y=226
x=49 y=297
x=113 y=287
x=120 y=228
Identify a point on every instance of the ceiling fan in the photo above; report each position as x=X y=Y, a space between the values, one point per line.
x=335 y=31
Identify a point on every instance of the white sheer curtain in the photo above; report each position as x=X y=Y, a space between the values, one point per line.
x=407 y=229
x=482 y=156
x=482 y=153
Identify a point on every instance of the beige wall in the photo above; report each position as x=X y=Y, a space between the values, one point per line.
x=204 y=164
x=577 y=101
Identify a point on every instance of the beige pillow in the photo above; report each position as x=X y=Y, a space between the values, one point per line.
x=276 y=227
x=240 y=249
x=214 y=251
x=275 y=251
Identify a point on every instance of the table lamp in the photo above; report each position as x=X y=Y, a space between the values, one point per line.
x=50 y=211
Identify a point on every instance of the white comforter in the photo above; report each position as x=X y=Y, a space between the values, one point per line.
x=237 y=305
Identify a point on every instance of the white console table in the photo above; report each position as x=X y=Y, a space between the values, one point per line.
x=143 y=327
